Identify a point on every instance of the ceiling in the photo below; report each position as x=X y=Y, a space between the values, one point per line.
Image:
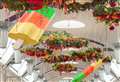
x=93 y=30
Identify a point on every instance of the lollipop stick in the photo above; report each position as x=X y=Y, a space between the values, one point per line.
x=17 y=54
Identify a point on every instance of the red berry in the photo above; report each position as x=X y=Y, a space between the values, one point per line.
x=30 y=53
x=113 y=4
x=112 y=27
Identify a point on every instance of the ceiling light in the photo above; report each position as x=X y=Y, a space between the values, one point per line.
x=68 y=24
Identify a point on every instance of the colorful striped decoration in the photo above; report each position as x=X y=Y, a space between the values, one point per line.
x=87 y=71
x=32 y=25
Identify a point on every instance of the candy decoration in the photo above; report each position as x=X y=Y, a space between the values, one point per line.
x=87 y=71
x=32 y=25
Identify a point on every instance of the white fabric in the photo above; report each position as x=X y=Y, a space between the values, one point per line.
x=19 y=69
x=29 y=78
x=115 y=68
x=105 y=77
x=18 y=56
x=3 y=50
x=117 y=55
x=7 y=56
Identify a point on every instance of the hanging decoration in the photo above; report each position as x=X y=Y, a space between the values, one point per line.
x=68 y=43
x=61 y=40
x=89 y=55
x=67 y=6
x=90 y=69
x=36 y=52
x=57 y=56
x=74 y=5
x=48 y=35
x=109 y=13
x=34 y=23
x=64 y=67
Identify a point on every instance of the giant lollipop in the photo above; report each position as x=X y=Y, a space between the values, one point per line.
x=32 y=25
x=90 y=69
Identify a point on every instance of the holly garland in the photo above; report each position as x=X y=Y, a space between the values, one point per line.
x=55 y=35
x=57 y=58
x=64 y=67
x=36 y=52
x=48 y=56
x=55 y=41
x=89 y=55
x=15 y=4
x=22 y=4
x=67 y=6
x=61 y=40
x=53 y=44
x=73 y=5
x=66 y=43
x=109 y=13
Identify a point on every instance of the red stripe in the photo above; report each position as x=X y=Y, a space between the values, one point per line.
x=35 y=18
x=88 y=70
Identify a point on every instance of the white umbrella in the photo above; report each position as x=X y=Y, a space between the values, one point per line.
x=68 y=24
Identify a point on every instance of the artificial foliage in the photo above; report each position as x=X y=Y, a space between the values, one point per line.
x=109 y=13
x=22 y=4
x=64 y=67
x=89 y=55
x=51 y=50
x=67 y=6
x=60 y=40
x=74 y=5
x=68 y=43
x=36 y=52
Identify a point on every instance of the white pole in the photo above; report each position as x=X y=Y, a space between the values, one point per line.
x=18 y=55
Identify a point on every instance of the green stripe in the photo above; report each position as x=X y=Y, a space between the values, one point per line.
x=46 y=11
x=79 y=77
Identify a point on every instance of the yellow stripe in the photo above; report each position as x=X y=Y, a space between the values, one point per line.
x=97 y=64
x=27 y=32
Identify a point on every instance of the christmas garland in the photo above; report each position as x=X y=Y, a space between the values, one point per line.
x=88 y=55
x=67 y=5
x=64 y=67
x=108 y=13
x=68 y=43
x=22 y=4
x=73 y=5
x=61 y=40
x=55 y=35
x=49 y=56
x=51 y=50
x=36 y=52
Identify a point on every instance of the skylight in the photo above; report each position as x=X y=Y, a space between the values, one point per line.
x=68 y=24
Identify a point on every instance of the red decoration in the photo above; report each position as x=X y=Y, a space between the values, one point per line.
x=88 y=70
x=113 y=4
x=37 y=4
